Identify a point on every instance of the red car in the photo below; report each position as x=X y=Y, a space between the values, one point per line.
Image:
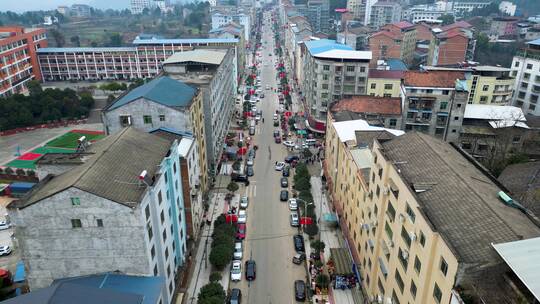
x=277 y=140
x=241 y=231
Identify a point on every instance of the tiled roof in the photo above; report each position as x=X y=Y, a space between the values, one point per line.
x=459 y=24
x=163 y=90
x=459 y=200
x=523 y=181
x=370 y=104
x=392 y=35
x=438 y=79
x=112 y=172
x=387 y=74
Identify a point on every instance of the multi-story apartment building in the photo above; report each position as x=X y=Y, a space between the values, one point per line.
x=318 y=14
x=434 y=103
x=452 y=44
x=122 y=210
x=384 y=83
x=81 y=10
x=384 y=12
x=332 y=72
x=162 y=102
x=424 y=12
x=355 y=37
x=396 y=40
x=526 y=70
x=18 y=59
x=213 y=73
x=297 y=31
x=143 y=60
x=223 y=15
x=486 y=84
x=504 y=26
x=138 y=6
x=361 y=9
x=420 y=218
x=376 y=111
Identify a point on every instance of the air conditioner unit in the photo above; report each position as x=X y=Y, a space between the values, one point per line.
x=405 y=254
x=412 y=236
x=401 y=218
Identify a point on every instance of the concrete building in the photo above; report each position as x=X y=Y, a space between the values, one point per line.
x=396 y=40
x=384 y=83
x=504 y=27
x=332 y=72
x=123 y=209
x=384 y=12
x=143 y=60
x=424 y=12
x=526 y=70
x=361 y=9
x=452 y=44
x=355 y=36
x=81 y=10
x=162 y=102
x=318 y=14
x=213 y=73
x=18 y=59
x=223 y=15
x=63 y=9
x=138 y=6
x=98 y=288
x=190 y=171
x=298 y=30
x=507 y=8
x=434 y=103
x=404 y=202
x=376 y=111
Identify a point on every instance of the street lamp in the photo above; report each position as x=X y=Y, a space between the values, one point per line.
x=305 y=205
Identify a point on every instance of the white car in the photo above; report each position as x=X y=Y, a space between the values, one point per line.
x=254 y=109
x=244 y=202
x=4 y=225
x=268 y=86
x=250 y=162
x=289 y=143
x=236 y=271
x=258 y=117
x=242 y=217
x=293 y=204
x=276 y=117
x=279 y=166
x=301 y=147
x=5 y=250
x=238 y=251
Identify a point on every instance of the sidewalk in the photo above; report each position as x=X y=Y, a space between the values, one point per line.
x=203 y=268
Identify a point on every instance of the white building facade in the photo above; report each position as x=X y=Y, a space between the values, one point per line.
x=220 y=19
x=526 y=70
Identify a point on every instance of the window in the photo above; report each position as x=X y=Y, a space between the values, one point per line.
x=529 y=66
x=147 y=119
x=524 y=85
x=362 y=69
x=350 y=68
x=456 y=117
x=381 y=286
x=350 y=78
x=445 y=92
x=399 y=281
x=99 y=222
x=410 y=213
x=403 y=258
x=150 y=232
x=388 y=86
x=76 y=223
x=417 y=265
x=147 y=212
x=325 y=77
x=166 y=253
x=162 y=216
x=393 y=122
x=516 y=139
x=485 y=88
x=516 y=64
x=378 y=191
x=75 y=201
x=373 y=85
x=532 y=107
x=413 y=289
x=443 y=105
x=387 y=95
x=391 y=212
x=444 y=266
x=437 y=294
x=483 y=99
x=160 y=197
x=164 y=235
x=388 y=230
x=429 y=91
x=326 y=67
x=325 y=86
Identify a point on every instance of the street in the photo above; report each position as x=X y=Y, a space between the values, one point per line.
x=269 y=234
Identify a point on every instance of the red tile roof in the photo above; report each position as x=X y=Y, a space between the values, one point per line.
x=387 y=33
x=459 y=24
x=402 y=24
x=374 y=73
x=439 y=79
x=370 y=104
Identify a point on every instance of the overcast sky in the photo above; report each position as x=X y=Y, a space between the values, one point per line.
x=36 y=5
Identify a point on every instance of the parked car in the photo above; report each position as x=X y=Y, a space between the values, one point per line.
x=277 y=140
x=249 y=171
x=276 y=133
x=289 y=143
x=251 y=153
x=249 y=162
x=5 y=250
x=284 y=195
x=298 y=241
x=235 y=297
x=4 y=225
x=238 y=250
x=276 y=117
x=251 y=270
x=289 y=159
x=300 y=290
x=298 y=258
x=284 y=182
x=236 y=271
x=241 y=231
x=295 y=222
x=240 y=178
x=293 y=204
x=244 y=202
x=242 y=217
x=286 y=171
x=279 y=166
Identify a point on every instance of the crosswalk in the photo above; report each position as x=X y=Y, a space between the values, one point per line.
x=251 y=190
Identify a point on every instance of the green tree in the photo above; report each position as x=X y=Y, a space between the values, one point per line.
x=307 y=153
x=232 y=187
x=220 y=256
x=318 y=245
x=211 y=293
x=215 y=276
x=322 y=280
x=58 y=37
x=76 y=40
x=115 y=40
x=34 y=88
x=447 y=19
x=302 y=184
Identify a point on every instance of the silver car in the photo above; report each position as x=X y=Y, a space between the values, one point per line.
x=295 y=221
x=238 y=250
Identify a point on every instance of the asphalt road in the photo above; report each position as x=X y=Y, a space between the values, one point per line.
x=269 y=234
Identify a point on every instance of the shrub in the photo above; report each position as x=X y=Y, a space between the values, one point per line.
x=232 y=186
x=306 y=196
x=20 y=172
x=312 y=229
x=215 y=276
x=318 y=245
x=302 y=184
x=220 y=256
x=322 y=280
x=9 y=171
x=222 y=239
x=211 y=293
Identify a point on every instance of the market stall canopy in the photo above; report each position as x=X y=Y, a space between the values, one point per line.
x=330 y=217
x=342 y=261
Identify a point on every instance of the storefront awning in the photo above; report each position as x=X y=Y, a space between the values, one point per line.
x=330 y=217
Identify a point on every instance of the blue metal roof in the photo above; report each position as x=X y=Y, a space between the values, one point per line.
x=20 y=274
x=396 y=64
x=534 y=42
x=163 y=90
x=86 y=49
x=185 y=41
x=323 y=45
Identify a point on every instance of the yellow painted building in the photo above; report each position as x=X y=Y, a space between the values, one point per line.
x=384 y=83
x=199 y=131
x=418 y=217
x=490 y=85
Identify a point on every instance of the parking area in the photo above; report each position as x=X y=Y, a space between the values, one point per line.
x=8 y=262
